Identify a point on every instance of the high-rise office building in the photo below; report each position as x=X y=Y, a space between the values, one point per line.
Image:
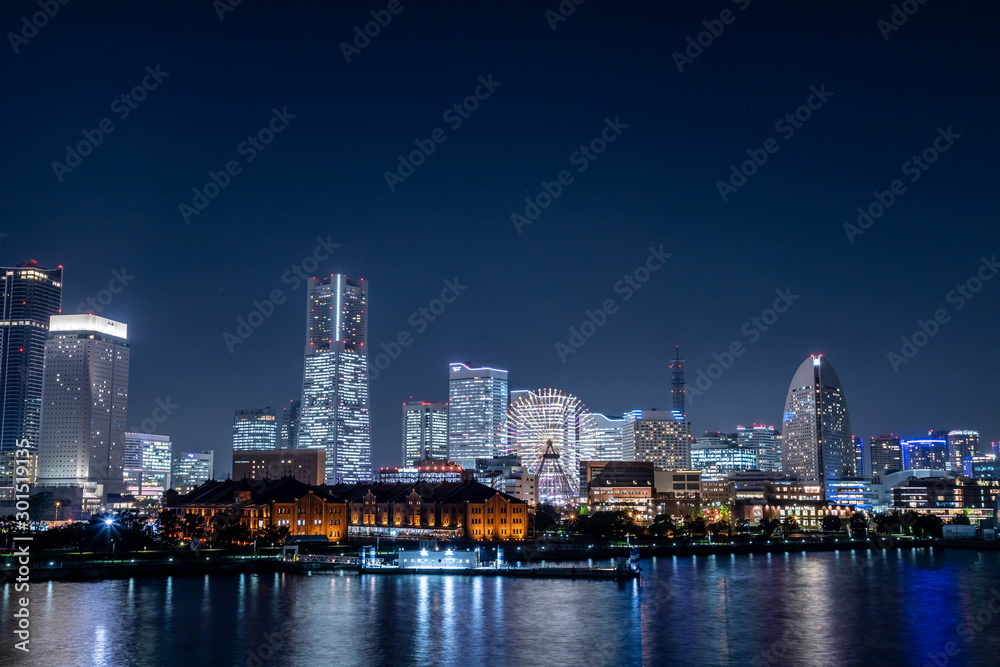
x=147 y=465
x=656 y=436
x=718 y=462
x=766 y=440
x=925 y=454
x=84 y=403
x=336 y=414
x=255 y=430
x=477 y=404
x=192 y=469
x=887 y=454
x=862 y=457
x=677 y=391
x=817 y=443
x=425 y=431
x=961 y=443
x=607 y=439
x=31 y=296
x=716 y=440
x=306 y=465
x=290 y=425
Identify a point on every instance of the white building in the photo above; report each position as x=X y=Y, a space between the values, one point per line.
x=425 y=431
x=607 y=440
x=477 y=404
x=766 y=440
x=255 y=430
x=657 y=436
x=147 y=467
x=84 y=404
x=335 y=413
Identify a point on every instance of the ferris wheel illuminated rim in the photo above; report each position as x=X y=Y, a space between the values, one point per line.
x=550 y=415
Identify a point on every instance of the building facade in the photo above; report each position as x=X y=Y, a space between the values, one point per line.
x=607 y=439
x=192 y=469
x=887 y=453
x=425 y=431
x=30 y=296
x=336 y=414
x=84 y=403
x=766 y=440
x=306 y=465
x=147 y=465
x=255 y=430
x=961 y=443
x=478 y=399
x=925 y=454
x=289 y=436
x=656 y=437
x=817 y=443
x=718 y=462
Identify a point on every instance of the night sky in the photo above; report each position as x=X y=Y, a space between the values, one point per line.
x=606 y=65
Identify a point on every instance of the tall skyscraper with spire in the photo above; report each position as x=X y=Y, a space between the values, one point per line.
x=335 y=409
x=677 y=392
x=817 y=443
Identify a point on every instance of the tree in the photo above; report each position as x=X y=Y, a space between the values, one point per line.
x=273 y=534
x=228 y=526
x=167 y=527
x=719 y=527
x=859 y=525
x=697 y=526
x=789 y=525
x=768 y=527
x=831 y=523
x=961 y=520
x=193 y=526
x=662 y=526
x=42 y=506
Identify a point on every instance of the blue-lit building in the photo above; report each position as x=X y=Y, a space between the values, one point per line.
x=718 y=462
x=925 y=454
x=857 y=493
x=981 y=466
x=255 y=430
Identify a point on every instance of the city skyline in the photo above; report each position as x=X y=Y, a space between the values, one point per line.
x=315 y=201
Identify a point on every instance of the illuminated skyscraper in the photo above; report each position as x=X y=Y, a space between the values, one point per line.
x=192 y=469
x=817 y=443
x=425 y=431
x=656 y=436
x=960 y=445
x=148 y=459
x=477 y=404
x=887 y=454
x=766 y=440
x=84 y=403
x=255 y=430
x=335 y=411
x=30 y=297
x=925 y=454
x=677 y=391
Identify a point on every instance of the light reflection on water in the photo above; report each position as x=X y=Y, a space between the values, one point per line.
x=824 y=609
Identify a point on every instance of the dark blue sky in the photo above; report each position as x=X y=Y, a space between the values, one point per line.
x=323 y=176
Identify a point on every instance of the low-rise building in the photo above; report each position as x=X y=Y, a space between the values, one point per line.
x=609 y=482
x=306 y=465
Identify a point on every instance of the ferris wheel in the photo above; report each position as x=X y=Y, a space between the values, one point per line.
x=550 y=432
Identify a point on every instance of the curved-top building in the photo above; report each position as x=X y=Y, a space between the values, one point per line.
x=816 y=430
